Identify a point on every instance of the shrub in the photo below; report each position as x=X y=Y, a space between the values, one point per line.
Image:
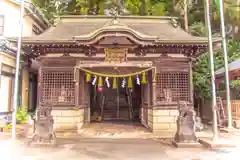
x=22 y=115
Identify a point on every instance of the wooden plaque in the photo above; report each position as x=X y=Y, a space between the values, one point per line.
x=115 y=54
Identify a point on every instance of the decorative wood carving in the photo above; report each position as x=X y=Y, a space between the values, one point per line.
x=89 y=51
x=188 y=50
x=65 y=55
x=141 y=51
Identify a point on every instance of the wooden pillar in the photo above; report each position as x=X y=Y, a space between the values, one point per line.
x=85 y=91
x=39 y=91
x=76 y=87
x=118 y=101
x=80 y=94
x=190 y=82
x=149 y=98
x=149 y=94
x=154 y=96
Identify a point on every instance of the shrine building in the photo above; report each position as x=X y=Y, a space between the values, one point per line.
x=130 y=68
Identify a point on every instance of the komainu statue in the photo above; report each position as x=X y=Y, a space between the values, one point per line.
x=185 y=124
x=199 y=126
x=43 y=128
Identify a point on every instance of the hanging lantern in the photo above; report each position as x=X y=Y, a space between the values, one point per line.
x=100 y=82
x=144 y=81
x=88 y=77
x=123 y=83
x=107 y=82
x=114 y=83
x=129 y=82
x=138 y=80
x=94 y=80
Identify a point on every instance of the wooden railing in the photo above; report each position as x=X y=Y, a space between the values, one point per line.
x=235 y=104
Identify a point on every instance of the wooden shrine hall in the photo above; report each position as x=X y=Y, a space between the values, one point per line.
x=115 y=68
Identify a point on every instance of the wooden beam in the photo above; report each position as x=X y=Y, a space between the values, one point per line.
x=90 y=64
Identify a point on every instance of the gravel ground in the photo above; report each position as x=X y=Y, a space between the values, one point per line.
x=103 y=147
x=111 y=149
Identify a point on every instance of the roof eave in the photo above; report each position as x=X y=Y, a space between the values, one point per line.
x=120 y=16
x=187 y=41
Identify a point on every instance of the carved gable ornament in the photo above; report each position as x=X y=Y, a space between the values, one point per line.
x=116 y=54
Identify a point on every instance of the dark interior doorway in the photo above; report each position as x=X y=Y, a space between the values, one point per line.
x=115 y=105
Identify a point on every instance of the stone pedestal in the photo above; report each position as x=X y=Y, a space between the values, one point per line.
x=44 y=133
x=185 y=135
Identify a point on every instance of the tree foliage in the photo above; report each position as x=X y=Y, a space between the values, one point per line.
x=201 y=70
x=53 y=8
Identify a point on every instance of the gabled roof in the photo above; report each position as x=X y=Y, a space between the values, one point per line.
x=144 y=28
x=235 y=65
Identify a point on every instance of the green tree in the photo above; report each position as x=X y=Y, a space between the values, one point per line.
x=54 y=8
x=201 y=69
x=148 y=7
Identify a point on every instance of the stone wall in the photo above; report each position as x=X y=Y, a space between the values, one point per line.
x=160 y=119
x=165 y=119
x=143 y=118
x=87 y=115
x=68 y=119
x=150 y=118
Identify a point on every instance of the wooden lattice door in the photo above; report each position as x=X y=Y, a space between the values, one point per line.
x=57 y=87
x=172 y=86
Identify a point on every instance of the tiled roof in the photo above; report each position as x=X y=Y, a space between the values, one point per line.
x=69 y=27
x=235 y=65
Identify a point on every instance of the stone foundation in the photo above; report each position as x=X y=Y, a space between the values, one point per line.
x=162 y=119
x=150 y=119
x=68 y=119
x=143 y=118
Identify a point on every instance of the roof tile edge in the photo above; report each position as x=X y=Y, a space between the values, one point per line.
x=120 y=17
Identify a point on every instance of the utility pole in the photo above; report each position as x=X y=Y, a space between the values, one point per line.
x=224 y=45
x=185 y=8
x=16 y=82
x=210 y=47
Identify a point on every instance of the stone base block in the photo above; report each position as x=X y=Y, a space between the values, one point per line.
x=68 y=119
x=45 y=145
x=186 y=145
x=65 y=126
x=229 y=130
x=236 y=123
x=208 y=143
x=164 y=133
